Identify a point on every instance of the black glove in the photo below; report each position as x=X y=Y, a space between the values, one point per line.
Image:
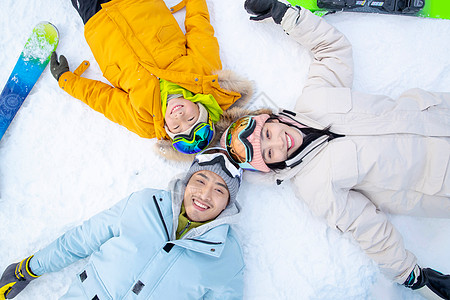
x=15 y=278
x=429 y=283
x=58 y=68
x=264 y=9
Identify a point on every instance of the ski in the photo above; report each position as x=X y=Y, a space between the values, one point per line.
x=29 y=67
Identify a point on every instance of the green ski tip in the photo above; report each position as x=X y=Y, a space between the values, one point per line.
x=43 y=40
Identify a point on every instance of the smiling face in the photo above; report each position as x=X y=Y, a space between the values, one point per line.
x=279 y=141
x=206 y=196
x=180 y=115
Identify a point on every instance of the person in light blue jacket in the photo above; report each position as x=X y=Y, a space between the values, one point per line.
x=154 y=244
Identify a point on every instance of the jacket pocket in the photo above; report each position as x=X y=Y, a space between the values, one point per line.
x=172 y=45
x=166 y=34
x=112 y=73
x=339 y=100
x=424 y=99
x=343 y=163
x=325 y=100
x=92 y=284
x=437 y=163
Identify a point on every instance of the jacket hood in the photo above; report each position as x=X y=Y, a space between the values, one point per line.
x=227 y=80
x=228 y=216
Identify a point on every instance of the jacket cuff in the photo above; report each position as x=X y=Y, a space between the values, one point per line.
x=34 y=267
x=65 y=79
x=292 y=17
x=178 y=7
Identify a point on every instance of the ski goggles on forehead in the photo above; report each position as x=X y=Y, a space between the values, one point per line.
x=197 y=140
x=237 y=137
x=221 y=156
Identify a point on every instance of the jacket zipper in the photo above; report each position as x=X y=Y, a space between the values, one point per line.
x=310 y=150
x=161 y=217
x=181 y=232
x=206 y=242
x=289 y=114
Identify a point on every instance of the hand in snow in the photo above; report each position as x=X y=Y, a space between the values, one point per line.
x=58 y=68
x=264 y=9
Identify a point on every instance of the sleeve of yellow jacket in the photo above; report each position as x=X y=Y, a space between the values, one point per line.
x=200 y=40
x=112 y=102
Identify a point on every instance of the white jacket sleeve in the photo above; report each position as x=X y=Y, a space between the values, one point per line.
x=376 y=236
x=79 y=242
x=350 y=211
x=332 y=64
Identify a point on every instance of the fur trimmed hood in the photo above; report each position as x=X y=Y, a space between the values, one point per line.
x=230 y=81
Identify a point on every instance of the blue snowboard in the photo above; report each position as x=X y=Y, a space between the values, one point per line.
x=29 y=67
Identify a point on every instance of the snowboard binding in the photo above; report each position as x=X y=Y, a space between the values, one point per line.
x=388 y=6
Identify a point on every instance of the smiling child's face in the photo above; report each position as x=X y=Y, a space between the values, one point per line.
x=180 y=115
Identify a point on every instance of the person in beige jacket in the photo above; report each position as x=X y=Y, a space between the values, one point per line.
x=353 y=157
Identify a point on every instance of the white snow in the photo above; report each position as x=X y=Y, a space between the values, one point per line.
x=61 y=162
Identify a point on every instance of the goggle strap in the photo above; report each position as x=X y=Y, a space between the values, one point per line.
x=247 y=166
x=248 y=130
x=221 y=160
x=191 y=135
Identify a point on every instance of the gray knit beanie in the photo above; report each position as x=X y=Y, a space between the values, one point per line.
x=217 y=160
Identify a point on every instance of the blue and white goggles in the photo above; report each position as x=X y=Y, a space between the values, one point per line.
x=197 y=140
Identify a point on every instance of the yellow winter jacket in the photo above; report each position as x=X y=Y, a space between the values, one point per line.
x=136 y=42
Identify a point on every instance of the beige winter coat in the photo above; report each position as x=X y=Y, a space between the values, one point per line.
x=394 y=157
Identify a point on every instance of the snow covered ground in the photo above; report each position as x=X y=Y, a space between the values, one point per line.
x=61 y=162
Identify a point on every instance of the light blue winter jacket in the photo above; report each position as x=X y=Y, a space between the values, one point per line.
x=134 y=254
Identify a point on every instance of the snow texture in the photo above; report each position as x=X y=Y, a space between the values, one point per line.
x=61 y=162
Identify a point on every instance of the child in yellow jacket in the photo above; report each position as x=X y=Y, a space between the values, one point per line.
x=165 y=84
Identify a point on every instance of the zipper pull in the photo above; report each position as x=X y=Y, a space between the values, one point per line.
x=180 y=233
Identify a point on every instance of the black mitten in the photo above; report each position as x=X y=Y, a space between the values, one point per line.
x=58 y=68
x=263 y=9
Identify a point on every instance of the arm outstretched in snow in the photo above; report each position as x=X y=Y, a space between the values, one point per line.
x=79 y=242
x=332 y=64
x=377 y=236
x=123 y=108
